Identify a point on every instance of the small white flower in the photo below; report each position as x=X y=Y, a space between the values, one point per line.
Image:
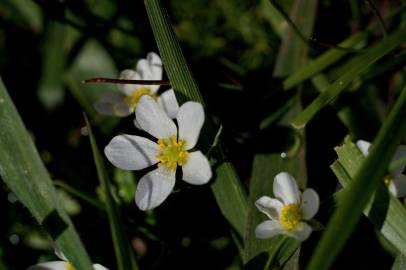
x=171 y=150
x=124 y=102
x=288 y=211
x=395 y=180
x=61 y=265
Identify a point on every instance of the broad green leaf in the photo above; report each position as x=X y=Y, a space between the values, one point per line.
x=293 y=49
x=226 y=186
x=24 y=173
x=393 y=227
x=359 y=192
x=51 y=88
x=92 y=61
x=352 y=70
x=120 y=241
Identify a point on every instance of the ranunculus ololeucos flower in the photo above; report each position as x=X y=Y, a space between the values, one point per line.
x=288 y=212
x=171 y=149
x=123 y=102
x=63 y=264
x=395 y=180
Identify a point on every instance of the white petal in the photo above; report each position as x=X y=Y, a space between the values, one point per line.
x=197 y=170
x=400 y=154
x=136 y=124
x=144 y=70
x=99 y=267
x=155 y=64
x=302 y=232
x=113 y=103
x=58 y=252
x=399 y=186
x=154 y=188
x=268 y=229
x=153 y=119
x=130 y=152
x=168 y=102
x=285 y=188
x=128 y=74
x=190 y=121
x=310 y=203
x=363 y=147
x=269 y=206
x=56 y=265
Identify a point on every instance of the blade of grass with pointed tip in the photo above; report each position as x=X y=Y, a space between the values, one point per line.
x=352 y=69
x=226 y=186
x=359 y=192
x=332 y=55
x=293 y=49
x=120 y=241
x=393 y=227
x=24 y=173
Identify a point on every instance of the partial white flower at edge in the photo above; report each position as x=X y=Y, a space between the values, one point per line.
x=123 y=102
x=288 y=212
x=171 y=149
x=63 y=264
x=395 y=180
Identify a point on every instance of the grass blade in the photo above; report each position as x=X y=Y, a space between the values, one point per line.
x=24 y=173
x=394 y=226
x=226 y=186
x=361 y=189
x=120 y=241
x=352 y=69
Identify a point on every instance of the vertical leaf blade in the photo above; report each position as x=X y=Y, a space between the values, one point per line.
x=24 y=173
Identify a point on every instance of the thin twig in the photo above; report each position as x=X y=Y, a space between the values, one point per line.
x=120 y=81
x=378 y=15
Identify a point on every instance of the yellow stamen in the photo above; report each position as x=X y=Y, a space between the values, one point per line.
x=69 y=266
x=133 y=99
x=290 y=216
x=387 y=179
x=173 y=153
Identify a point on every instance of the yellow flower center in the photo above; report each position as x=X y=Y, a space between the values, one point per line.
x=69 y=266
x=290 y=216
x=133 y=99
x=172 y=153
x=387 y=179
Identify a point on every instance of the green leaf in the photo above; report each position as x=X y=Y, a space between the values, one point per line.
x=359 y=192
x=92 y=61
x=393 y=227
x=120 y=241
x=126 y=184
x=400 y=263
x=226 y=187
x=24 y=173
x=352 y=70
x=293 y=49
x=51 y=90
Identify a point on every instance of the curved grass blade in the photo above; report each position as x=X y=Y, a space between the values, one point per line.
x=24 y=173
x=352 y=69
x=359 y=192
x=120 y=241
x=393 y=227
x=226 y=186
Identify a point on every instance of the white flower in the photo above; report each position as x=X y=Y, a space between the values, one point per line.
x=395 y=180
x=61 y=265
x=288 y=211
x=124 y=102
x=169 y=151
